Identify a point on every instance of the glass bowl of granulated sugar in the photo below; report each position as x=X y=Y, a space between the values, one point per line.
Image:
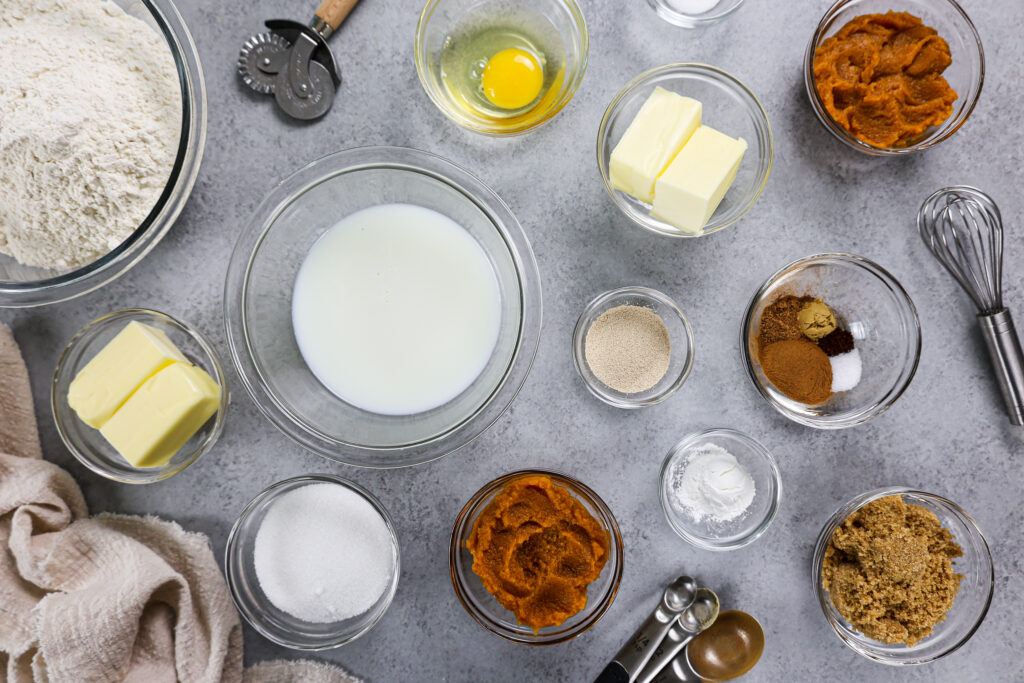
x=633 y=347
x=101 y=143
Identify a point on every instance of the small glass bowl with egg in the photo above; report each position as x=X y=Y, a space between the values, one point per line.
x=87 y=444
x=680 y=336
x=880 y=316
x=252 y=602
x=501 y=67
x=727 y=105
x=705 y=531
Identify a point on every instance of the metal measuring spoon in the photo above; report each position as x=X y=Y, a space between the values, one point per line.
x=730 y=648
x=691 y=621
x=630 y=660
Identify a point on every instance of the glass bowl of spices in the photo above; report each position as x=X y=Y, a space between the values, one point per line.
x=871 y=110
x=544 y=574
x=720 y=489
x=902 y=576
x=681 y=102
x=633 y=347
x=67 y=233
x=99 y=392
x=831 y=340
x=312 y=562
x=500 y=67
x=694 y=13
x=428 y=265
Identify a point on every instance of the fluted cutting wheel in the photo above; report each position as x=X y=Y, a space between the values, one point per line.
x=260 y=60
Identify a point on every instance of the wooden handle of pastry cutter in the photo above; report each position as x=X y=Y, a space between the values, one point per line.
x=335 y=11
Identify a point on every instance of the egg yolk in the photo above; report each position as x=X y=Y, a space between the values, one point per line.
x=512 y=79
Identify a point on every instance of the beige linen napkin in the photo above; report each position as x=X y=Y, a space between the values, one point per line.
x=110 y=597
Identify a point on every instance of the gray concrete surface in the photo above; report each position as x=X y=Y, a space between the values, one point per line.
x=946 y=435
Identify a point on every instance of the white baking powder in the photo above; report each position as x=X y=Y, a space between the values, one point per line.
x=323 y=553
x=90 y=121
x=711 y=484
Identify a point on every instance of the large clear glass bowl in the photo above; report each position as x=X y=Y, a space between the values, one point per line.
x=969 y=607
x=22 y=286
x=486 y=609
x=728 y=106
x=873 y=306
x=965 y=75
x=557 y=26
x=258 y=305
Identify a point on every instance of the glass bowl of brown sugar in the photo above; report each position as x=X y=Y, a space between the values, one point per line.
x=953 y=563
x=831 y=340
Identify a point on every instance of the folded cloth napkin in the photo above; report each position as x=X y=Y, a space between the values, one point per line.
x=110 y=597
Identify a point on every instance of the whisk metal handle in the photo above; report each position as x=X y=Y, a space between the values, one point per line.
x=1004 y=349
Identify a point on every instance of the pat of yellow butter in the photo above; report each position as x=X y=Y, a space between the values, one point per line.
x=661 y=128
x=129 y=359
x=693 y=185
x=162 y=415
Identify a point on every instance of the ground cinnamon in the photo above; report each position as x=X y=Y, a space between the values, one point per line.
x=799 y=369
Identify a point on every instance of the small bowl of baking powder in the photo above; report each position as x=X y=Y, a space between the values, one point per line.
x=720 y=489
x=633 y=347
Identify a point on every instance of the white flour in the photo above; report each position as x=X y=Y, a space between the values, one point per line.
x=90 y=120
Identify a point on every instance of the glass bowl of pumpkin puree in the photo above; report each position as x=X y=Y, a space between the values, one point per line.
x=894 y=77
x=536 y=557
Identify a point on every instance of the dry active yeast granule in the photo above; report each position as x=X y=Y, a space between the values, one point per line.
x=628 y=348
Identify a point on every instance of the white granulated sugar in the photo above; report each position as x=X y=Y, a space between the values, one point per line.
x=846 y=371
x=90 y=121
x=323 y=554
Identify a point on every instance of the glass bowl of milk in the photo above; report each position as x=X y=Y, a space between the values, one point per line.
x=383 y=307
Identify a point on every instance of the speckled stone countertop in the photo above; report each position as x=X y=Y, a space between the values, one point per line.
x=947 y=435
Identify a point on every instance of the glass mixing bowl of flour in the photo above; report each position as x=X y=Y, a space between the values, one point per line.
x=22 y=286
x=280 y=339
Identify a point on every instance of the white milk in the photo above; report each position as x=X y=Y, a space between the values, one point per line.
x=396 y=309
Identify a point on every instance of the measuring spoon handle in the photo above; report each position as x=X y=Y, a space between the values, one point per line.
x=673 y=643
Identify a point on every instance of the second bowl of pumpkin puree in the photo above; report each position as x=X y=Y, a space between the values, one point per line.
x=536 y=557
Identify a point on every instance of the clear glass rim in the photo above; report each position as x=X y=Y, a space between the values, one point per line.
x=944 y=132
x=855 y=504
x=691 y=21
x=568 y=91
x=580 y=330
x=171 y=201
x=764 y=131
x=466 y=517
x=869 y=412
x=474 y=191
x=757 y=531
x=158 y=474
x=232 y=562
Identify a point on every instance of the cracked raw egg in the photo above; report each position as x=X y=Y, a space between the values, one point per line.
x=512 y=79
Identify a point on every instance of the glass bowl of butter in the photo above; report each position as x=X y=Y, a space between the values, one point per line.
x=138 y=396
x=685 y=150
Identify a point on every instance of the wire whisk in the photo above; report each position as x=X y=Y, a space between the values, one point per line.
x=963 y=229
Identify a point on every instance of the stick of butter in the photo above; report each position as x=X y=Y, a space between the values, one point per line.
x=692 y=187
x=659 y=131
x=129 y=359
x=162 y=415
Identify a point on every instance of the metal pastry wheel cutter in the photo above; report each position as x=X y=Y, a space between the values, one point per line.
x=292 y=61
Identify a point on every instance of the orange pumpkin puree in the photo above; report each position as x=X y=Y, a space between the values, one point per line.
x=536 y=549
x=880 y=78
